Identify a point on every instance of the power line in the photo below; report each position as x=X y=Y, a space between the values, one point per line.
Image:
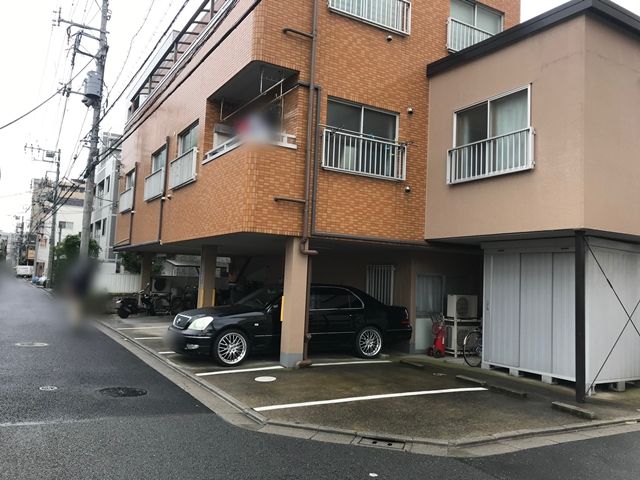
x=44 y=102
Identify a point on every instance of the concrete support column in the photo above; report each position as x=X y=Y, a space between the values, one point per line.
x=294 y=304
x=207 y=282
x=145 y=270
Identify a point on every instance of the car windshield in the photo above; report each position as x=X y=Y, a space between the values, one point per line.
x=262 y=297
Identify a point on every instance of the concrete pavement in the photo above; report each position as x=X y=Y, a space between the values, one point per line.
x=74 y=432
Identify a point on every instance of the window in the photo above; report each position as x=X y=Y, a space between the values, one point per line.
x=491 y=138
x=188 y=139
x=326 y=298
x=380 y=283
x=65 y=225
x=363 y=140
x=159 y=160
x=98 y=229
x=471 y=23
x=129 y=180
x=476 y=15
x=428 y=294
x=104 y=226
x=107 y=184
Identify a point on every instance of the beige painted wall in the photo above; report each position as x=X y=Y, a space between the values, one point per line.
x=550 y=197
x=612 y=149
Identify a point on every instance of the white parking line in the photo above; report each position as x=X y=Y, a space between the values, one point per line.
x=166 y=353
x=368 y=397
x=241 y=370
x=359 y=362
x=147 y=338
x=140 y=328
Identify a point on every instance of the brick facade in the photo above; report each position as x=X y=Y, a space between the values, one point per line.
x=235 y=192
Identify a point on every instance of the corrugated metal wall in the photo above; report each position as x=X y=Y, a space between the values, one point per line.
x=605 y=316
x=563 y=357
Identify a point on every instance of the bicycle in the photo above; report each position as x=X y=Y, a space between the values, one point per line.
x=472 y=348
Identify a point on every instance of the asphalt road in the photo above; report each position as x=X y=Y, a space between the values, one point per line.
x=76 y=432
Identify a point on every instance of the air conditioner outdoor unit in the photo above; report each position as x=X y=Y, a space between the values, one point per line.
x=462 y=306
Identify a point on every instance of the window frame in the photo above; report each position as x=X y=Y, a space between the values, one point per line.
x=155 y=154
x=362 y=108
x=475 y=6
x=488 y=101
x=185 y=132
x=348 y=292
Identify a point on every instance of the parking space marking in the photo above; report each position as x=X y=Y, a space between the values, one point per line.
x=148 y=338
x=141 y=328
x=166 y=353
x=359 y=362
x=241 y=370
x=369 y=397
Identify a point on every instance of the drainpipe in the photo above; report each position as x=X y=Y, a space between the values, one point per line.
x=310 y=129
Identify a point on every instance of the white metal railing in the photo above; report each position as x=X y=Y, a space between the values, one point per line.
x=154 y=185
x=126 y=200
x=461 y=35
x=364 y=155
x=499 y=155
x=280 y=139
x=182 y=170
x=390 y=14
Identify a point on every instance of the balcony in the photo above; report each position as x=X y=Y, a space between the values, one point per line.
x=154 y=185
x=392 y=15
x=126 y=200
x=278 y=139
x=499 y=155
x=182 y=170
x=461 y=35
x=363 y=155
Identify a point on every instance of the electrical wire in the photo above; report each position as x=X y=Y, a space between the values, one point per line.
x=44 y=102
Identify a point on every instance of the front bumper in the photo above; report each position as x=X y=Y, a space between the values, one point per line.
x=184 y=342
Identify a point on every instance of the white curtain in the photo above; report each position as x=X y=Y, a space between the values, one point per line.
x=510 y=114
x=428 y=294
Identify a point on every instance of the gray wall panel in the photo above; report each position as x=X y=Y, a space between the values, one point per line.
x=563 y=339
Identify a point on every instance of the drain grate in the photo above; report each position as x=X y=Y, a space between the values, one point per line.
x=119 y=392
x=381 y=443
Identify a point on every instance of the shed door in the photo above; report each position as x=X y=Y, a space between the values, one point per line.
x=502 y=310
x=536 y=297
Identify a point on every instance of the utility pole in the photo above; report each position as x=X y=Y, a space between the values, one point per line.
x=49 y=156
x=92 y=98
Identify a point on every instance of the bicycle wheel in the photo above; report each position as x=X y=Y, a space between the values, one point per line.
x=472 y=348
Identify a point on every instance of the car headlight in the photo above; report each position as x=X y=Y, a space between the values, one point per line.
x=200 y=323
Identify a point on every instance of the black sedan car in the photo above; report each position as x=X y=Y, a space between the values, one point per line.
x=338 y=315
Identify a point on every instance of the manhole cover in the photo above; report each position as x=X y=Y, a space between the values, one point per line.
x=117 y=392
x=48 y=388
x=265 y=379
x=31 y=344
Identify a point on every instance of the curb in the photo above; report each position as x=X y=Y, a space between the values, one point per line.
x=442 y=448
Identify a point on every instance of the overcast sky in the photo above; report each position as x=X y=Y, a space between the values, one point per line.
x=37 y=58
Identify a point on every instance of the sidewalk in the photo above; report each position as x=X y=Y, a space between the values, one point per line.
x=411 y=403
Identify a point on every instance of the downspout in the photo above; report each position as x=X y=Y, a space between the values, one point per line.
x=133 y=201
x=163 y=198
x=304 y=244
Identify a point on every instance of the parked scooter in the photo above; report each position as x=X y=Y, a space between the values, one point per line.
x=149 y=303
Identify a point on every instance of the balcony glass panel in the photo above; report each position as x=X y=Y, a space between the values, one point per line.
x=182 y=170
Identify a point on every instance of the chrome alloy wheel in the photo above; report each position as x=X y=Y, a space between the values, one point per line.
x=370 y=342
x=232 y=348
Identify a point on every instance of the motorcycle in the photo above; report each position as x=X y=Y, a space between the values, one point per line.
x=147 y=302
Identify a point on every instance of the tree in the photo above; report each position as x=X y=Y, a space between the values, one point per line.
x=131 y=262
x=66 y=253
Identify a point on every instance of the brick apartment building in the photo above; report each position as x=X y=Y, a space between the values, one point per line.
x=292 y=138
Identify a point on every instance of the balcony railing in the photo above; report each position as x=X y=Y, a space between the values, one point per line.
x=389 y=14
x=182 y=170
x=126 y=200
x=499 y=155
x=461 y=35
x=154 y=185
x=280 y=139
x=364 y=155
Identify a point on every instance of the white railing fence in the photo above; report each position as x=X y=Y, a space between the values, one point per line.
x=117 y=282
x=154 y=185
x=461 y=35
x=495 y=156
x=182 y=170
x=125 y=202
x=392 y=14
x=364 y=155
x=281 y=139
